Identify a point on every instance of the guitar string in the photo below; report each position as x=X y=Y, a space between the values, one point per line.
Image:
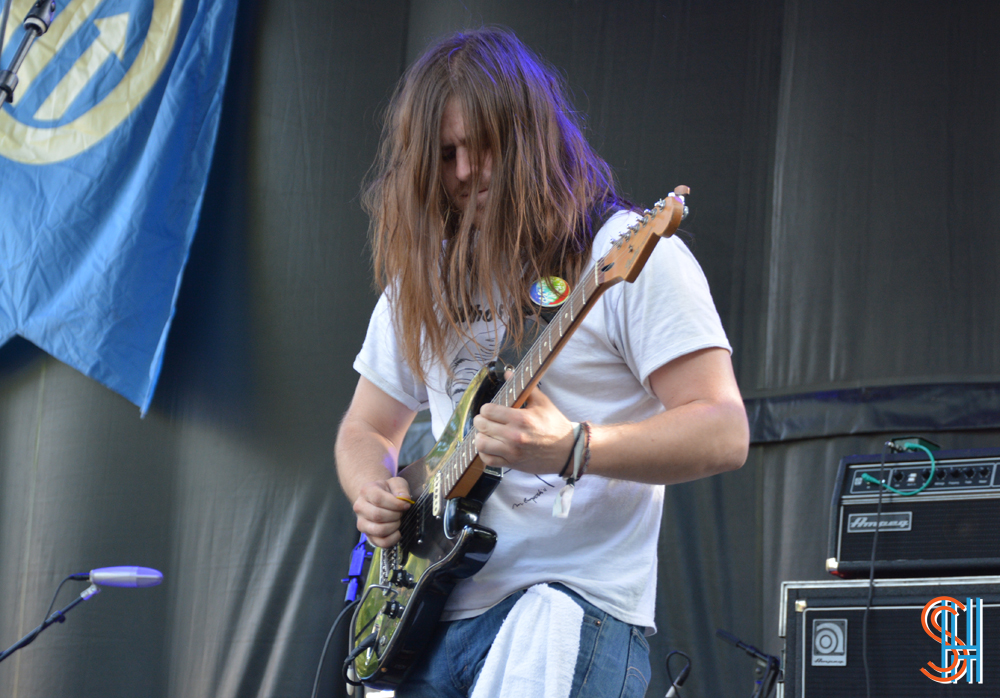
x=411 y=520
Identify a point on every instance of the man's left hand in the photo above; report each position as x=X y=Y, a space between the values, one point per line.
x=536 y=438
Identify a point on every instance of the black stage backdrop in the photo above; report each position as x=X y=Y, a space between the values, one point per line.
x=844 y=163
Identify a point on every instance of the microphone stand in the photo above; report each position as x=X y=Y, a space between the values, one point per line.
x=4 y=13
x=35 y=24
x=768 y=669
x=56 y=617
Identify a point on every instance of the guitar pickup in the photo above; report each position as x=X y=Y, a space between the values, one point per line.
x=436 y=509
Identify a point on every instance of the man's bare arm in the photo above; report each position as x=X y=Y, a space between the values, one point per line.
x=367 y=453
x=703 y=430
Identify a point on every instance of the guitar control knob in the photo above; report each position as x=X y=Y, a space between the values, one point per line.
x=401 y=578
x=393 y=609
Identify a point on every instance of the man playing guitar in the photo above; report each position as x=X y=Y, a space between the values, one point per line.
x=486 y=204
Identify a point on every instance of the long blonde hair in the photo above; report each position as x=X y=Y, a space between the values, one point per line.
x=547 y=190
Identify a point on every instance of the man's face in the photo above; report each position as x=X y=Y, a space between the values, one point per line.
x=458 y=164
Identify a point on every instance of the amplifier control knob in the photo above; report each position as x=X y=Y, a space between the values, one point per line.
x=942 y=474
x=897 y=475
x=969 y=473
x=925 y=473
x=984 y=471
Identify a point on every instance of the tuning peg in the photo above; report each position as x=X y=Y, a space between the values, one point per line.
x=681 y=192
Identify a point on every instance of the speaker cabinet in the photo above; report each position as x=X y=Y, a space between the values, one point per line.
x=822 y=624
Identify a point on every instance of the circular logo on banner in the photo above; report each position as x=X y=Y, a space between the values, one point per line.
x=549 y=292
x=85 y=75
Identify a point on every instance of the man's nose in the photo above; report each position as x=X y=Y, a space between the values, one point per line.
x=463 y=164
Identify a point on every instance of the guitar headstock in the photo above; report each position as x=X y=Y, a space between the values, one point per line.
x=630 y=250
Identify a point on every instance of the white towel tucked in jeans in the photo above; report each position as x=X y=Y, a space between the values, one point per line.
x=534 y=654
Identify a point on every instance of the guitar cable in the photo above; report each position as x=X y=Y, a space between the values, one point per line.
x=675 y=684
x=897 y=445
x=326 y=645
x=365 y=644
x=871 y=572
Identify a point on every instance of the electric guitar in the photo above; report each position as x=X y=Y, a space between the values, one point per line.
x=442 y=541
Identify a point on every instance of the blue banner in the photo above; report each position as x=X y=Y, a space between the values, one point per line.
x=104 y=158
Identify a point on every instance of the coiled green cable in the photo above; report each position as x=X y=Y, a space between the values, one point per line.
x=930 y=478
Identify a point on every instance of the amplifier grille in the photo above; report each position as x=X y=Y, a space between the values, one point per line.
x=938 y=530
x=898 y=647
x=897 y=650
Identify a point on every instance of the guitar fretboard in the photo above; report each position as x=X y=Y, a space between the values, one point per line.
x=529 y=370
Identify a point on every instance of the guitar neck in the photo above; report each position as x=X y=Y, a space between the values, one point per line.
x=623 y=262
x=529 y=371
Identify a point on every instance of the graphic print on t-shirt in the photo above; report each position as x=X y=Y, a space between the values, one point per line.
x=473 y=355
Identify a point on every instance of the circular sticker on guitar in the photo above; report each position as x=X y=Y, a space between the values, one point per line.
x=549 y=292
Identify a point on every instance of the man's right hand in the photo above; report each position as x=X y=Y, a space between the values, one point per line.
x=379 y=510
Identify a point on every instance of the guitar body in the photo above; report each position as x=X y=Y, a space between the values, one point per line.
x=442 y=541
x=407 y=585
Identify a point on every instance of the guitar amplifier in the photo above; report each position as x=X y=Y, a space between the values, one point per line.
x=949 y=528
x=822 y=624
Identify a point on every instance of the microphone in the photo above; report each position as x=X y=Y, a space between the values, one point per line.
x=736 y=642
x=134 y=577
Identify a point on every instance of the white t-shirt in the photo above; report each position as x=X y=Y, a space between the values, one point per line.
x=605 y=550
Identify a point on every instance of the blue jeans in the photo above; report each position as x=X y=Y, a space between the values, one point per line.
x=613 y=659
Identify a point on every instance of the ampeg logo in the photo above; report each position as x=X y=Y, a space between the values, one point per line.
x=829 y=645
x=85 y=75
x=958 y=658
x=865 y=523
